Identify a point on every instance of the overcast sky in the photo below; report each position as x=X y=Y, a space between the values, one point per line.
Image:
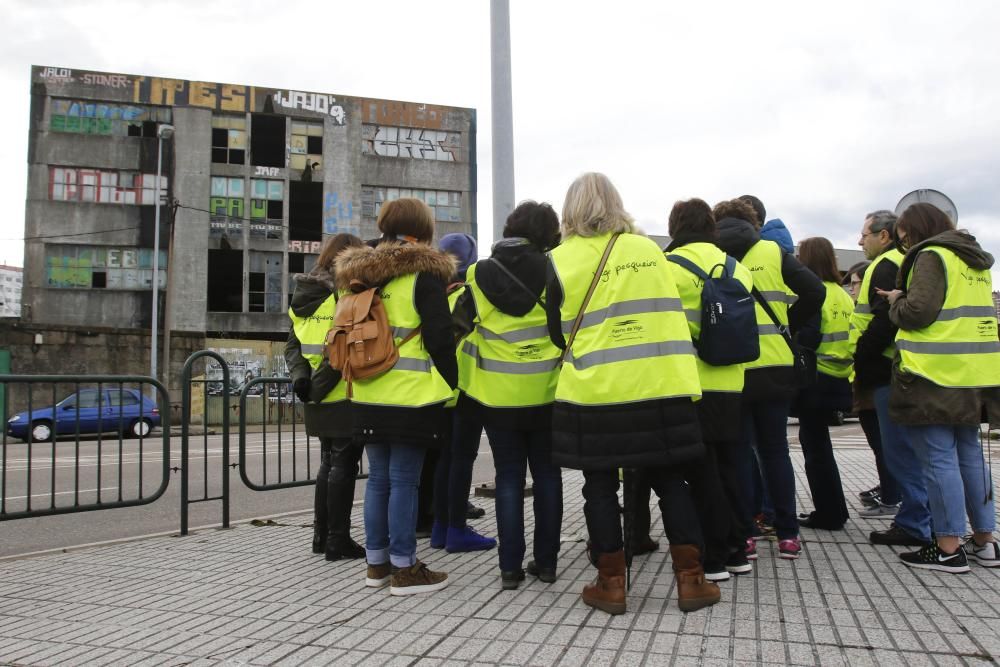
x=825 y=115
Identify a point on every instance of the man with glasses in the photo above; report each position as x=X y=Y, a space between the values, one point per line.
x=901 y=491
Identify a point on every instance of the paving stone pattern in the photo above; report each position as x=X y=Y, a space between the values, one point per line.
x=257 y=596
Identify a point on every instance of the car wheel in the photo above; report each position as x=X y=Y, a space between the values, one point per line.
x=140 y=428
x=41 y=431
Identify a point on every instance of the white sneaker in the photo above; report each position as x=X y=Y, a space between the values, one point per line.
x=879 y=510
x=987 y=555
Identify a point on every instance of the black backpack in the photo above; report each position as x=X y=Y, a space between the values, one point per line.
x=728 y=319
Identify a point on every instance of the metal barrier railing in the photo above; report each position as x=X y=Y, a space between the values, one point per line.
x=53 y=426
x=292 y=449
x=277 y=392
x=185 y=467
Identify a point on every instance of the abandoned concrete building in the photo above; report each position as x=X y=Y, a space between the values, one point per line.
x=252 y=180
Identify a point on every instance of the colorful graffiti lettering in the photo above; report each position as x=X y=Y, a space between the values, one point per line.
x=337 y=214
x=410 y=143
x=108 y=80
x=305 y=246
x=324 y=104
x=408 y=114
x=178 y=92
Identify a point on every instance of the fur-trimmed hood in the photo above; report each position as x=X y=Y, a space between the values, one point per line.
x=392 y=259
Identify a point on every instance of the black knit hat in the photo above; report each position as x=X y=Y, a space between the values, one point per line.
x=758 y=207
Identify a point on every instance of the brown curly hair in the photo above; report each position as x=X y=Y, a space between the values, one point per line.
x=736 y=208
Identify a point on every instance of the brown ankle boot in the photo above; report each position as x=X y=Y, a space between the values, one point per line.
x=693 y=592
x=607 y=591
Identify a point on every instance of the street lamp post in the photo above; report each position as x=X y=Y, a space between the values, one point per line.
x=162 y=132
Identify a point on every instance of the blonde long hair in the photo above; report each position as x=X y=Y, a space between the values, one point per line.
x=593 y=207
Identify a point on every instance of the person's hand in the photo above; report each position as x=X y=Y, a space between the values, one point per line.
x=889 y=295
x=302 y=387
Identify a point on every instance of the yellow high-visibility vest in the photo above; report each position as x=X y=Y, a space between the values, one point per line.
x=960 y=348
x=834 y=356
x=862 y=317
x=311 y=332
x=633 y=343
x=414 y=381
x=507 y=361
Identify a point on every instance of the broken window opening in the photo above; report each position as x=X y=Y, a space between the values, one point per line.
x=225 y=281
x=229 y=139
x=264 y=285
x=306 y=145
x=267 y=140
x=305 y=211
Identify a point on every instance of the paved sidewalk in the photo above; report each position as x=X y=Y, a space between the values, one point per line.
x=255 y=595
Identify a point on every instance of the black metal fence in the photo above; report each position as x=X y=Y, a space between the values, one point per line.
x=76 y=443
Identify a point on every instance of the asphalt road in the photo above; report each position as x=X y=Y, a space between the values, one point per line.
x=81 y=483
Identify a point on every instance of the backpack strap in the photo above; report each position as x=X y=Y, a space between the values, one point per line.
x=782 y=329
x=517 y=281
x=586 y=299
x=688 y=264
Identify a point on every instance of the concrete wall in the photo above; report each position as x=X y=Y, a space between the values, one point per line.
x=69 y=350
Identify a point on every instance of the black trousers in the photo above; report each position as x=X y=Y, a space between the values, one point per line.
x=335 y=480
x=711 y=500
x=604 y=524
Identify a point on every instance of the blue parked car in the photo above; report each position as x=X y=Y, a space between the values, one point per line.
x=91 y=410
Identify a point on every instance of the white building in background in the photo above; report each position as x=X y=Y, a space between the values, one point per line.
x=11 y=279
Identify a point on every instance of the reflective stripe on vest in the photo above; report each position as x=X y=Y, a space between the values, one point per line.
x=453 y=296
x=961 y=349
x=507 y=361
x=414 y=381
x=862 y=317
x=763 y=260
x=635 y=344
x=706 y=255
x=311 y=332
x=834 y=356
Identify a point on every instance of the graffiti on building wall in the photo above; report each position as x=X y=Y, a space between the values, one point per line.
x=104 y=187
x=407 y=114
x=102 y=267
x=317 y=102
x=61 y=75
x=311 y=247
x=56 y=74
x=86 y=117
x=178 y=92
x=338 y=215
x=267 y=171
x=405 y=142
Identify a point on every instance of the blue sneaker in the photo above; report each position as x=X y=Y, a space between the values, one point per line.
x=439 y=534
x=467 y=539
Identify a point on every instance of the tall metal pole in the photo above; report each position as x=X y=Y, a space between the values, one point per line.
x=162 y=132
x=156 y=255
x=502 y=106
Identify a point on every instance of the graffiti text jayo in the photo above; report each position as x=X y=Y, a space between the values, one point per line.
x=324 y=104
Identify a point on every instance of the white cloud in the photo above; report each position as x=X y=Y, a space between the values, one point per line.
x=825 y=112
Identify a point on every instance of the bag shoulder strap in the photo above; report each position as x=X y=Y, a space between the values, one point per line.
x=517 y=281
x=782 y=329
x=688 y=264
x=590 y=293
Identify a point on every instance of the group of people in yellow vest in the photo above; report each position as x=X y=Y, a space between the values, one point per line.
x=575 y=345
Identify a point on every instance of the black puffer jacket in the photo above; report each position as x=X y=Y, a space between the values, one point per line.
x=528 y=263
x=324 y=420
x=423 y=426
x=736 y=237
x=630 y=435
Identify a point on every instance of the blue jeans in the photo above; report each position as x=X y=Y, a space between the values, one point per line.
x=869 y=424
x=453 y=476
x=513 y=453
x=956 y=476
x=391 y=503
x=914 y=514
x=765 y=423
